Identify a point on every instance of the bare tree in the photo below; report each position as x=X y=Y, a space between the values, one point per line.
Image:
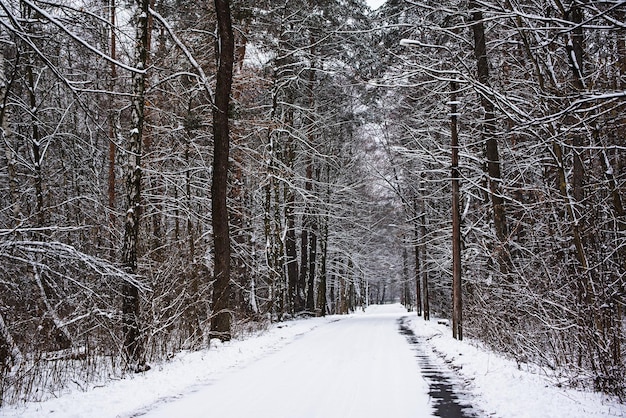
x=133 y=343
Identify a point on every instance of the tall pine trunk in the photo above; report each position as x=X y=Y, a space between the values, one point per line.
x=221 y=318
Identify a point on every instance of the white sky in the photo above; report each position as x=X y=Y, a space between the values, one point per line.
x=375 y=4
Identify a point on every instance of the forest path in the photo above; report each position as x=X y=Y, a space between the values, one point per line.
x=359 y=366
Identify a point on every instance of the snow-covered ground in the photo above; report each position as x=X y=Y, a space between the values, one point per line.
x=500 y=389
x=338 y=366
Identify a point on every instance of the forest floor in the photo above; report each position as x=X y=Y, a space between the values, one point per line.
x=384 y=362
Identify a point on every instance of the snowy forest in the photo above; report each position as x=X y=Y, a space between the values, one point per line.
x=173 y=172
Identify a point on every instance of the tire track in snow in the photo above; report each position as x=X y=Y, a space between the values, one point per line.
x=445 y=388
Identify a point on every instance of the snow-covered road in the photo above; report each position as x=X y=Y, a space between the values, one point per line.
x=359 y=366
x=339 y=366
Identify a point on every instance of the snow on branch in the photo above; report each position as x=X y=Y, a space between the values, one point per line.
x=203 y=78
x=596 y=100
x=81 y=41
x=415 y=43
x=10 y=249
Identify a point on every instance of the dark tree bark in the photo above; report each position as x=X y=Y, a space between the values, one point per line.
x=457 y=299
x=406 y=290
x=304 y=256
x=291 y=254
x=491 y=144
x=321 y=287
x=418 y=265
x=310 y=295
x=308 y=239
x=574 y=47
x=308 y=245
x=221 y=318
x=425 y=293
x=36 y=148
x=133 y=345
x=112 y=133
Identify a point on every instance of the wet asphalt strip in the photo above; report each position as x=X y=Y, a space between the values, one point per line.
x=443 y=388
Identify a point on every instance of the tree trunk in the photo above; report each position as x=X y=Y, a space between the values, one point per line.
x=291 y=252
x=312 y=237
x=425 y=293
x=308 y=239
x=418 y=266
x=221 y=318
x=321 y=288
x=457 y=304
x=491 y=143
x=5 y=139
x=36 y=148
x=304 y=256
x=133 y=345
x=112 y=129
x=308 y=243
x=291 y=255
